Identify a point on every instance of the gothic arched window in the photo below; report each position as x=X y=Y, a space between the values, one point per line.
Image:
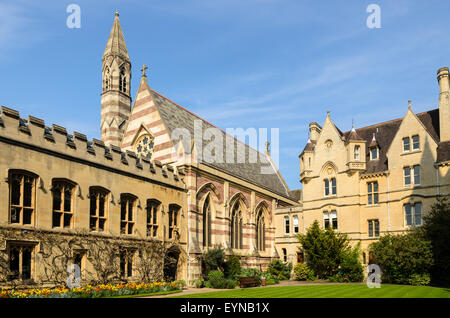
x=260 y=232
x=207 y=223
x=236 y=227
x=122 y=80
x=107 y=81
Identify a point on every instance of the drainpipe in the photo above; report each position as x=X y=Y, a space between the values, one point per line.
x=437 y=181
x=388 y=218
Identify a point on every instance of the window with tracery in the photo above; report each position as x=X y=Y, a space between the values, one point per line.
x=144 y=146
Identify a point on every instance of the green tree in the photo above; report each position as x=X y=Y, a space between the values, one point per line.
x=402 y=257
x=324 y=248
x=437 y=229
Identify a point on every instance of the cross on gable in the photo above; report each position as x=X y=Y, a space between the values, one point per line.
x=143 y=69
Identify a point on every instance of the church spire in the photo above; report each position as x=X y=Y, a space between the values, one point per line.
x=115 y=97
x=116 y=42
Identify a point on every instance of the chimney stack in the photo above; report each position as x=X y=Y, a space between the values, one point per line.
x=314 y=131
x=444 y=103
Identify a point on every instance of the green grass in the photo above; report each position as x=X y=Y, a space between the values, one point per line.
x=330 y=291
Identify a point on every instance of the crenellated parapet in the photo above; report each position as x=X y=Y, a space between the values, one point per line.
x=34 y=134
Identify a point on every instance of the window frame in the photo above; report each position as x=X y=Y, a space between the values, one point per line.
x=127 y=223
x=295 y=220
x=374 y=228
x=207 y=242
x=371 y=151
x=406 y=144
x=19 y=275
x=236 y=234
x=412 y=213
x=173 y=215
x=407 y=176
x=287 y=224
x=373 y=195
x=23 y=175
x=151 y=212
x=62 y=185
x=415 y=142
x=260 y=231
x=97 y=192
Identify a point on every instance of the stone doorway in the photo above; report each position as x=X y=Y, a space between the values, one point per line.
x=171 y=260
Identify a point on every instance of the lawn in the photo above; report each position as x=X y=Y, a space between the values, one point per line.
x=330 y=291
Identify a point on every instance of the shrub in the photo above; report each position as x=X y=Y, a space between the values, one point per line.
x=400 y=257
x=180 y=283
x=199 y=283
x=303 y=272
x=232 y=267
x=351 y=269
x=419 y=279
x=213 y=259
x=270 y=277
x=216 y=279
x=280 y=269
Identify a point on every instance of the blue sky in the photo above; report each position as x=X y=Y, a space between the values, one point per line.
x=237 y=63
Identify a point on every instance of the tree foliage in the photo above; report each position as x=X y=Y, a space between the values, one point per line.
x=402 y=257
x=437 y=230
x=325 y=249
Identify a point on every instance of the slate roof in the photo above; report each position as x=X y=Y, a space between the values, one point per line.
x=443 y=151
x=385 y=132
x=174 y=116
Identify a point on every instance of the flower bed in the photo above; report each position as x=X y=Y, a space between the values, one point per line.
x=89 y=291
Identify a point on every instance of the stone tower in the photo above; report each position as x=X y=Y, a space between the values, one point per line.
x=116 y=76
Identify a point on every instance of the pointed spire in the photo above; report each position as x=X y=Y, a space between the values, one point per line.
x=374 y=142
x=116 y=41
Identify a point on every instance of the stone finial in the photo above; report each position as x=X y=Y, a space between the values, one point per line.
x=409 y=104
x=267 y=148
x=143 y=69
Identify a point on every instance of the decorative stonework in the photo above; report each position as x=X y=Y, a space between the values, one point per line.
x=144 y=146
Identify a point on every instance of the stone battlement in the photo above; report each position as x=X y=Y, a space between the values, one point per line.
x=55 y=140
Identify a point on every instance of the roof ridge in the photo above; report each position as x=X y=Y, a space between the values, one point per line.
x=204 y=120
x=390 y=121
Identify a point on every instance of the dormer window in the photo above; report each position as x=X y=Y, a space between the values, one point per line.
x=373 y=153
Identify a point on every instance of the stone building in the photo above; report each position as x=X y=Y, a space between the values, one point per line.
x=148 y=195
x=373 y=180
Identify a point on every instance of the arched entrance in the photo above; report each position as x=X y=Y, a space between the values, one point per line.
x=171 y=263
